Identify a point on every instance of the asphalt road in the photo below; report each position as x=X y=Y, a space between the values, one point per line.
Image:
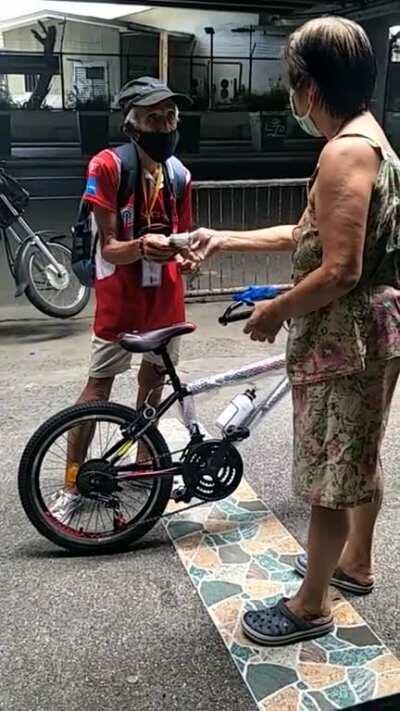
x=128 y=632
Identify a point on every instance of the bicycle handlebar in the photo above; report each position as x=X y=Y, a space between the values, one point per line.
x=230 y=317
x=246 y=298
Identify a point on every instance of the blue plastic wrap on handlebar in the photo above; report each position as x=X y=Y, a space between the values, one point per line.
x=256 y=293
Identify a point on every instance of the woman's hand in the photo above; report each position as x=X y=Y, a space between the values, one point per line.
x=265 y=322
x=205 y=243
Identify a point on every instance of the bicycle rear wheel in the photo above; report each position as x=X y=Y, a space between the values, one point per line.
x=127 y=510
x=55 y=294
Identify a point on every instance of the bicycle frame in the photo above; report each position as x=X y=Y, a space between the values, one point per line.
x=185 y=395
x=232 y=377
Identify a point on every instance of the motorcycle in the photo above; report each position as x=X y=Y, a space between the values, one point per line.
x=39 y=262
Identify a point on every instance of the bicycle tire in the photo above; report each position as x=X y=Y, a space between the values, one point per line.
x=29 y=470
x=34 y=296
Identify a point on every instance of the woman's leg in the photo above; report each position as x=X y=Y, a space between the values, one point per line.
x=329 y=530
x=357 y=556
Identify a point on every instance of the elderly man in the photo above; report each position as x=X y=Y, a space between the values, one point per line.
x=138 y=281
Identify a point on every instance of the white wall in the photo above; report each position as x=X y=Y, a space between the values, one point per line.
x=192 y=21
x=226 y=44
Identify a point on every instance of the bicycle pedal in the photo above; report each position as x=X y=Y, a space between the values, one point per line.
x=181 y=494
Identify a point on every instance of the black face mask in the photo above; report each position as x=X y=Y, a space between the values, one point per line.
x=159 y=146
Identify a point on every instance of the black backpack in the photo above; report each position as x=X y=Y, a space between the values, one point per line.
x=84 y=241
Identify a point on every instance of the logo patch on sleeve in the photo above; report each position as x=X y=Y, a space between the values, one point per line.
x=91 y=184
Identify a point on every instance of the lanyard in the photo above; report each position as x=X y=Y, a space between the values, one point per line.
x=149 y=205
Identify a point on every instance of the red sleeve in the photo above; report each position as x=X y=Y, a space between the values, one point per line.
x=102 y=181
x=185 y=209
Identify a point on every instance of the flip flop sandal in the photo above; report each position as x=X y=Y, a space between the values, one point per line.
x=277 y=625
x=339 y=579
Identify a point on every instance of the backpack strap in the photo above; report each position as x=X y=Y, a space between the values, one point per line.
x=130 y=171
x=177 y=176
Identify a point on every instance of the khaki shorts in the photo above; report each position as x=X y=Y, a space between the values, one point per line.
x=108 y=358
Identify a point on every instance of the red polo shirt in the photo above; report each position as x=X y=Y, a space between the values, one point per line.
x=122 y=303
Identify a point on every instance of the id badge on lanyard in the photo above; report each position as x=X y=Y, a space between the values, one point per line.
x=151 y=271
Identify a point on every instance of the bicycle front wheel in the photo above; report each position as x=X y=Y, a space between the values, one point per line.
x=94 y=513
x=55 y=293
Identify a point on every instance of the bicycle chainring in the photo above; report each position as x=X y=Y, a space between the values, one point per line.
x=212 y=470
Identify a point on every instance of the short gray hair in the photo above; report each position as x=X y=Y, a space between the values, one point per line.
x=132 y=119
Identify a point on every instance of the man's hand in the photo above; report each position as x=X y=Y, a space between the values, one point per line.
x=265 y=322
x=156 y=248
x=205 y=243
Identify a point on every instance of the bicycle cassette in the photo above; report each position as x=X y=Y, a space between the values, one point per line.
x=212 y=470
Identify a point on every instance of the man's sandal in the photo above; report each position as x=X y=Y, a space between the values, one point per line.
x=339 y=579
x=277 y=625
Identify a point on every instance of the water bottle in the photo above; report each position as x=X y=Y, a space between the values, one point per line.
x=237 y=412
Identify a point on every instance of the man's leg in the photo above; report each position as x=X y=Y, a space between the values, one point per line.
x=150 y=384
x=79 y=438
x=151 y=378
x=107 y=360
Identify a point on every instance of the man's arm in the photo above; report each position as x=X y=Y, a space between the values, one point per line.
x=153 y=247
x=113 y=250
x=102 y=193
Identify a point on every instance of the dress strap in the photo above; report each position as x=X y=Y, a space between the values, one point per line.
x=382 y=151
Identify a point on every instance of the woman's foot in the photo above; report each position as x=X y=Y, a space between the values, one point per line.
x=355 y=570
x=344 y=577
x=280 y=625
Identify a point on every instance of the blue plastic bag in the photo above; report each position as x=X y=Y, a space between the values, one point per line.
x=256 y=293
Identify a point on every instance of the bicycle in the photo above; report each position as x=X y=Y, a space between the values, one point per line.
x=112 y=479
x=39 y=262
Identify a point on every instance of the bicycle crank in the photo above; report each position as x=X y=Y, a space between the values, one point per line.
x=212 y=470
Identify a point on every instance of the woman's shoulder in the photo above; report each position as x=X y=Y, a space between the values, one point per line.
x=352 y=150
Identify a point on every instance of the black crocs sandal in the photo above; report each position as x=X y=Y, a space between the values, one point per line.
x=339 y=579
x=277 y=625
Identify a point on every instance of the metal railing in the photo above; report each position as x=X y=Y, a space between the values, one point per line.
x=238 y=205
x=244 y=205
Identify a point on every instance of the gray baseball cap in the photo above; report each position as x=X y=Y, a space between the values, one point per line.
x=147 y=91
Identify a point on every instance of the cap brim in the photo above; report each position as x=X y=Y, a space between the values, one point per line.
x=181 y=100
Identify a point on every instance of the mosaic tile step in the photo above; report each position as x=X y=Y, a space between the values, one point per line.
x=239 y=557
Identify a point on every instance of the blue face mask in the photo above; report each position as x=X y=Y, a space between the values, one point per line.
x=305 y=122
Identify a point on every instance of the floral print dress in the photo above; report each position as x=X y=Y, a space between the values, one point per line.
x=344 y=360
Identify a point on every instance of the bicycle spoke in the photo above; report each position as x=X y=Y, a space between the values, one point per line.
x=101 y=445
x=92 y=509
x=64 y=451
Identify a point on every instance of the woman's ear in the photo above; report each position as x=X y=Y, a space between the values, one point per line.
x=313 y=96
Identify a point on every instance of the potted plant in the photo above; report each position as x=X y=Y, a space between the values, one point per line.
x=6 y=104
x=268 y=116
x=93 y=115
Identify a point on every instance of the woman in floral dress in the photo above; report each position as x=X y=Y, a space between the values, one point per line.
x=343 y=351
